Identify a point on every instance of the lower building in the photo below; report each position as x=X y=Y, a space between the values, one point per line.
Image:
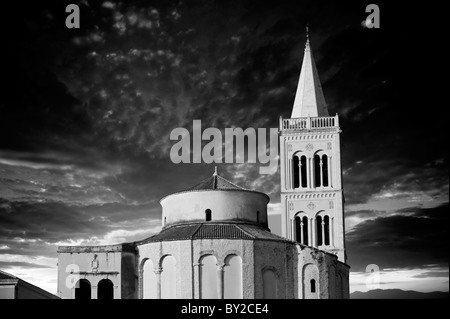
x=12 y=287
x=214 y=243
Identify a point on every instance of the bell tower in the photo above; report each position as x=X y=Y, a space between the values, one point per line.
x=312 y=196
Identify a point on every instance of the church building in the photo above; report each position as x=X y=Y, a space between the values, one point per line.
x=215 y=241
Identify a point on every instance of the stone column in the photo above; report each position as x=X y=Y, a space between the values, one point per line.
x=323 y=232
x=220 y=280
x=293 y=237
x=313 y=232
x=332 y=231
x=157 y=272
x=196 y=281
x=290 y=184
x=302 y=234
x=321 y=171
x=300 y=172
x=310 y=234
x=94 y=292
x=141 y=283
x=329 y=172
x=308 y=169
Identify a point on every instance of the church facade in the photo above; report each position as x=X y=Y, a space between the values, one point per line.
x=215 y=242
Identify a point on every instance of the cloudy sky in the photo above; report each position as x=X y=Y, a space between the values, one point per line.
x=86 y=116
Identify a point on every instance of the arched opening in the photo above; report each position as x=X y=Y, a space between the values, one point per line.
x=165 y=220
x=298 y=232
x=325 y=170
x=326 y=229
x=303 y=167
x=305 y=230
x=257 y=217
x=319 y=230
x=313 y=285
x=105 y=289
x=208 y=277
x=168 y=278
x=269 y=284
x=301 y=229
x=232 y=277
x=148 y=280
x=208 y=214
x=310 y=275
x=295 y=171
x=83 y=289
x=317 y=170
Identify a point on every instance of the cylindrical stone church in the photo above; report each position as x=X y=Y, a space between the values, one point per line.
x=214 y=243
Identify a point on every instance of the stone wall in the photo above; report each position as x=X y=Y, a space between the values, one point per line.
x=94 y=263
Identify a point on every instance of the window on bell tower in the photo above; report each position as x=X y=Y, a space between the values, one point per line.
x=303 y=171
x=299 y=171
x=321 y=170
x=301 y=229
x=295 y=163
x=317 y=171
x=325 y=170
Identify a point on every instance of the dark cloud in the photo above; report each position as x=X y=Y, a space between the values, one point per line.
x=30 y=227
x=85 y=114
x=401 y=241
x=8 y=264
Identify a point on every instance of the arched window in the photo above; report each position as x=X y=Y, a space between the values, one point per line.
x=325 y=170
x=301 y=229
x=208 y=278
x=305 y=230
x=317 y=171
x=304 y=177
x=295 y=173
x=208 y=215
x=323 y=230
x=298 y=234
x=149 y=280
x=83 y=289
x=269 y=284
x=105 y=289
x=257 y=216
x=326 y=229
x=168 y=278
x=313 y=285
x=232 y=277
x=165 y=220
x=310 y=281
x=299 y=171
x=319 y=230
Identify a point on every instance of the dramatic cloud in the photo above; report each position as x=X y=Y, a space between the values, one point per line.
x=401 y=241
x=86 y=115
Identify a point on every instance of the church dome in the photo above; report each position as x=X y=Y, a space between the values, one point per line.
x=215 y=199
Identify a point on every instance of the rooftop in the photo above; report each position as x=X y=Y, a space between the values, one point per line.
x=216 y=183
x=213 y=230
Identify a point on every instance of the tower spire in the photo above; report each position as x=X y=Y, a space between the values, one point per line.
x=309 y=99
x=307 y=37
